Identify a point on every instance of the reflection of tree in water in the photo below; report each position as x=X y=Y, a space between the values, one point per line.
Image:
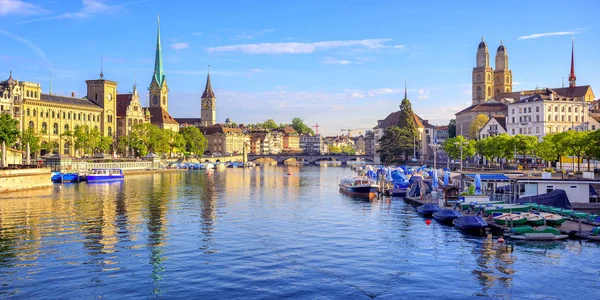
x=494 y=261
x=208 y=207
x=121 y=218
x=156 y=213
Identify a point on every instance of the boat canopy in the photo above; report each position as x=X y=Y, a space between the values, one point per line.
x=487 y=177
x=557 y=198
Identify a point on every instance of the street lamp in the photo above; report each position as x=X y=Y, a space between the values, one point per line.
x=435 y=149
x=460 y=144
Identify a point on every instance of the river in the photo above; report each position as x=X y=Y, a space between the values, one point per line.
x=263 y=234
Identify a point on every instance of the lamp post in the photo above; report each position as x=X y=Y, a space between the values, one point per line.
x=435 y=149
x=460 y=144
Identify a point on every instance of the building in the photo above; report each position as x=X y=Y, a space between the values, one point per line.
x=313 y=145
x=370 y=143
x=291 y=140
x=261 y=142
x=224 y=139
x=130 y=112
x=208 y=111
x=545 y=113
x=441 y=134
x=498 y=92
x=359 y=144
x=159 y=93
x=53 y=115
x=496 y=125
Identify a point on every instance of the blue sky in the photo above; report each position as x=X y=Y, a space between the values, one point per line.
x=341 y=64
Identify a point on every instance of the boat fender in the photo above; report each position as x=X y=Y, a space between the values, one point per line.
x=500 y=240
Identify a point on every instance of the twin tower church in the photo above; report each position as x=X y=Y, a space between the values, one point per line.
x=487 y=82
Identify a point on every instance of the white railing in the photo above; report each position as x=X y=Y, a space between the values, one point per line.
x=85 y=166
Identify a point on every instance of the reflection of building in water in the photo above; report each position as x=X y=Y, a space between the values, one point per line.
x=494 y=261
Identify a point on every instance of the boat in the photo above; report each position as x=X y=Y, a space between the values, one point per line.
x=101 y=175
x=470 y=223
x=509 y=219
x=539 y=233
x=359 y=186
x=594 y=234
x=467 y=205
x=553 y=219
x=209 y=166
x=446 y=215
x=58 y=177
x=506 y=208
x=534 y=219
x=428 y=209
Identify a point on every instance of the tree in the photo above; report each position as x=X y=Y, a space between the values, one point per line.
x=348 y=149
x=195 y=142
x=593 y=149
x=407 y=117
x=82 y=139
x=300 y=127
x=485 y=147
x=269 y=124
x=525 y=144
x=575 y=143
x=334 y=149
x=31 y=137
x=477 y=125
x=9 y=129
x=452 y=128
x=453 y=147
x=395 y=144
x=176 y=141
x=546 y=149
x=561 y=141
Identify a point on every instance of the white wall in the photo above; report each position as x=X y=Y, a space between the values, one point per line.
x=579 y=194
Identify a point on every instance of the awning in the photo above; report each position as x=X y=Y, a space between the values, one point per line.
x=489 y=177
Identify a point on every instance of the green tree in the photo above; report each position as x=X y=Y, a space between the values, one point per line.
x=453 y=147
x=34 y=140
x=407 y=117
x=477 y=125
x=195 y=142
x=504 y=144
x=525 y=144
x=546 y=149
x=334 y=149
x=348 y=149
x=594 y=144
x=485 y=148
x=9 y=129
x=575 y=143
x=82 y=139
x=452 y=128
x=561 y=140
x=177 y=142
x=300 y=127
x=395 y=145
x=269 y=124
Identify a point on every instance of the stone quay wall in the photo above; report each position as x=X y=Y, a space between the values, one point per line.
x=24 y=179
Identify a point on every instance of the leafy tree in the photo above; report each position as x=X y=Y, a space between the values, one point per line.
x=34 y=140
x=561 y=141
x=477 y=125
x=485 y=147
x=301 y=128
x=452 y=128
x=453 y=147
x=525 y=144
x=348 y=149
x=334 y=149
x=546 y=149
x=395 y=145
x=9 y=129
x=407 y=118
x=195 y=142
x=269 y=124
x=505 y=146
x=82 y=139
x=176 y=141
x=575 y=143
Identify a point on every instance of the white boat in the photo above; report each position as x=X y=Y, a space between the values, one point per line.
x=209 y=166
x=359 y=186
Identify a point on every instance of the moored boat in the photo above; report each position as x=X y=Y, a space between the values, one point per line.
x=359 y=186
x=470 y=223
x=428 y=209
x=539 y=233
x=446 y=215
x=466 y=205
x=506 y=208
x=65 y=177
x=533 y=219
x=509 y=219
x=102 y=175
x=553 y=219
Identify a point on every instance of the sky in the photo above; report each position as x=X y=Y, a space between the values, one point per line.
x=341 y=64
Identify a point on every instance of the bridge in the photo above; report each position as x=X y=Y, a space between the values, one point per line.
x=280 y=158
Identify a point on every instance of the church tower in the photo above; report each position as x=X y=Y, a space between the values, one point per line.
x=208 y=111
x=159 y=91
x=482 y=75
x=502 y=75
x=572 y=77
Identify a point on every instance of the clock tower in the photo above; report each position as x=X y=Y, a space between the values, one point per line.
x=208 y=111
x=159 y=91
x=483 y=86
x=104 y=93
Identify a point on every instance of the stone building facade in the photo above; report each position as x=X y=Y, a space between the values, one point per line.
x=130 y=112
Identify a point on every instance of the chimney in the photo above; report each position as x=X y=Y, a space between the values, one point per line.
x=73 y=94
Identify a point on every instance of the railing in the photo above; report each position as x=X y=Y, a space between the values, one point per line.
x=85 y=166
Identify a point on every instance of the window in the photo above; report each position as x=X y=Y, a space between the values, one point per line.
x=576 y=109
x=69 y=116
x=55 y=128
x=573 y=187
x=593 y=127
x=569 y=109
x=109 y=131
x=537 y=130
x=53 y=115
x=556 y=109
x=35 y=94
x=537 y=109
x=529 y=109
x=64 y=115
x=549 y=188
x=89 y=117
x=529 y=130
x=28 y=112
x=555 y=118
x=520 y=110
x=96 y=97
x=520 y=130
x=44 y=127
x=537 y=118
x=562 y=109
x=66 y=148
x=47 y=114
x=549 y=118
x=513 y=111
x=513 y=119
x=66 y=127
x=31 y=125
x=79 y=116
x=549 y=108
x=576 y=118
x=562 y=118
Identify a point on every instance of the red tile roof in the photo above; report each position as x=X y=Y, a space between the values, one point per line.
x=160 y=116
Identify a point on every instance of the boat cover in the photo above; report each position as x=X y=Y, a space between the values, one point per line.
x=593 y=192
x=557 y=198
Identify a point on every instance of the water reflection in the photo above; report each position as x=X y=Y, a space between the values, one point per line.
x=494 y=263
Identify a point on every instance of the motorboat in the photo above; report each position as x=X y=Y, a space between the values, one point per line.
x=101 y=175
x=428 y=209
x=446 y=215
x=470 y=223
x=58 y=177
x=359 y=186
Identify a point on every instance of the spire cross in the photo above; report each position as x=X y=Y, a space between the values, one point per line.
x=101 y=65
x=405 y=94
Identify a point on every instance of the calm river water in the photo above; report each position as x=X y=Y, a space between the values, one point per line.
x=261 y=234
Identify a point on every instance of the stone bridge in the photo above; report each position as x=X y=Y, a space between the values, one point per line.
x=280 y=158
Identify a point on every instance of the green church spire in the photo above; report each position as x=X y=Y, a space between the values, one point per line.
x=159 y=74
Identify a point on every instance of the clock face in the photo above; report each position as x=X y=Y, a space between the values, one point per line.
x=109 y=96
x=164 y=90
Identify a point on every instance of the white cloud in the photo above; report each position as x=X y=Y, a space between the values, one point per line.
x=18 y=7
x=297 y=48
x=333 y=61
x=516 y=82
x=545 y=34
x=398 y=46
x=89 y=7
x=423 y=94
x=180 y=46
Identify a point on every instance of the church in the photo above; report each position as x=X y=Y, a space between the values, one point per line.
x=492 y=89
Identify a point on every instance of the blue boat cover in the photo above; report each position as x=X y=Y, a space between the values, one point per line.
x=556 y=198
x=593 y=192
x=489 y=177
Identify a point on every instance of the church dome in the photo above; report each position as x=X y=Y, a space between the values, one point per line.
x=482 y=45
x=501 y=47
x=228 y=121
x=10 y=81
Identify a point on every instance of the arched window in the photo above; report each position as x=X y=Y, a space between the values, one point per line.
x=55 y=128
x=79 y=117
x=28 y=112
x=489 y=77
x=34 y=112
x=31 y=125
x=64 y=115
x=35 y=94
x=47 y=114
x=489 y=91
x=44 y=127
x=129 y=123
x=66 y=127
x=478 y=92
x=53 y=115
x=109 y=131
x=164 y=100
x=69 y=116
x=89 y=117
x=66 y=148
